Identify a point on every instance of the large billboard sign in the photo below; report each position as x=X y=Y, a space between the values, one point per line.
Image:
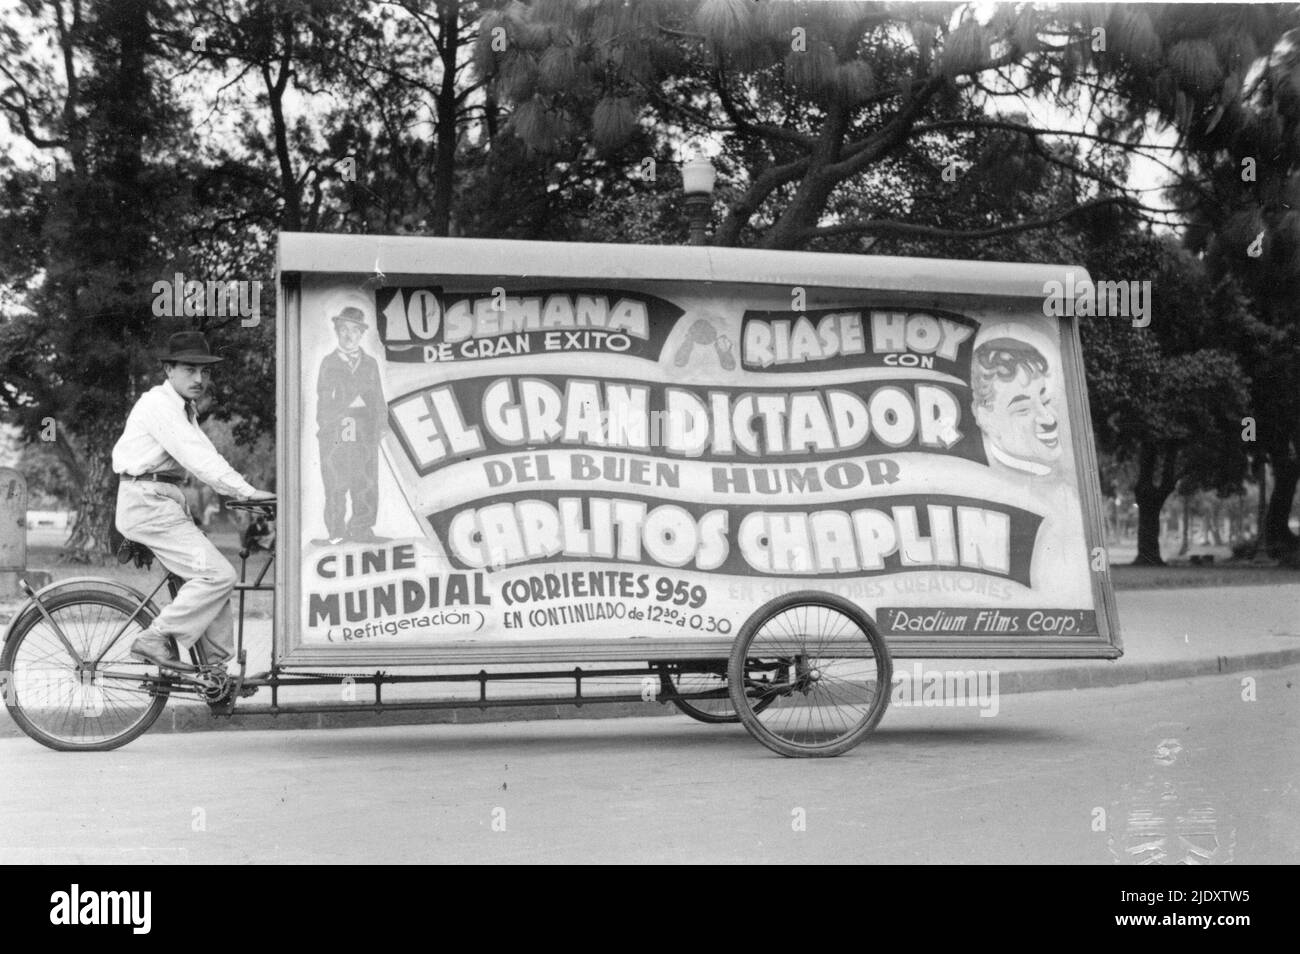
x=511 y=450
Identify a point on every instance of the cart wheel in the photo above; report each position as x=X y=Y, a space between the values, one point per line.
x=716 y=711
x=68 y=710
x=824 y=677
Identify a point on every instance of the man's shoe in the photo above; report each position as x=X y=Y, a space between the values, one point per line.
x=154 y=647
x=214 y=655
x=366 y=536
x=326 y=542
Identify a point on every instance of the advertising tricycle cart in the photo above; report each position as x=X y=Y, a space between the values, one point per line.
x=747 y=480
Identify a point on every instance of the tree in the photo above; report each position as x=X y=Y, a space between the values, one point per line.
x=1243 y=179
x=1168 y=397
x=89 y=240
x=812 y=99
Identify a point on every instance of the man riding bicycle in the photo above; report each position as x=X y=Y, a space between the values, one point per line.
x=161 y=441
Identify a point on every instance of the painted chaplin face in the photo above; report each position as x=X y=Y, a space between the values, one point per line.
x=350 y=334
x=1020 y=418
x=1013 y=397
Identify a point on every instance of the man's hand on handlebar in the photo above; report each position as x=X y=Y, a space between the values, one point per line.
x=258 y=495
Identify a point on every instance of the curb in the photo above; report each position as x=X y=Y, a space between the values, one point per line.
x=1127 y=674
x=194 y=718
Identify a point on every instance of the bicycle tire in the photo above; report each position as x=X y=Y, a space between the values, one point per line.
x=781 y=627
x=32 y=641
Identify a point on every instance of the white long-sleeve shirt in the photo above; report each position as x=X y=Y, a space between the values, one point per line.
x=159 y=436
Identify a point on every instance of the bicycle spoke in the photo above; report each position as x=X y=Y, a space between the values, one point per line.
x=67 y=707
x=827 y=693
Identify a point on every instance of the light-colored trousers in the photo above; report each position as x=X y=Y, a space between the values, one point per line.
x=157 y=515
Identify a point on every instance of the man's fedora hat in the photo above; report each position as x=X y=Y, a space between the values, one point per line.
x=189 y=347
x=351 y=314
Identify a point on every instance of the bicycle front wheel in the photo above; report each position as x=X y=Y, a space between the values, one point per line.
x=65 y=703
x=810 y=675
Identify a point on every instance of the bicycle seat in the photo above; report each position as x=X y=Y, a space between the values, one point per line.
x=130 y=551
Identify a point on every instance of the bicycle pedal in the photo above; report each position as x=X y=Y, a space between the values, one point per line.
x=173 y=664
x=225 y=704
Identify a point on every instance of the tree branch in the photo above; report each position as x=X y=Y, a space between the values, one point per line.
x=679 y=33
x=857 y=156
x=770 y=179
x=894 y=227
x=66 y=43
x=694 y=115
x=21 y=112
x=1031 y=131
x=754 y=129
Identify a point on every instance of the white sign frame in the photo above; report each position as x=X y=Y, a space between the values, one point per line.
x=990 y=288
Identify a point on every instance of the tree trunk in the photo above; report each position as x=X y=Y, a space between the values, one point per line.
x=809 y=199
x=448 y=132
x=491 y=118
x=1282 y=543
x=1187 y=525
x=290 y=188
x=1148 y=553
x=1155 y=483
x=96 y=505
x=105 y=260
x=1261 y=502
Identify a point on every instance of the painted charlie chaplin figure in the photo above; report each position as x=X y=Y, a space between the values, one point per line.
x=351 y=415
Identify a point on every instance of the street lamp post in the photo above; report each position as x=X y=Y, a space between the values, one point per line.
x=698 y=176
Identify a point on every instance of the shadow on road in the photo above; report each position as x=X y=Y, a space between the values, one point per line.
x=559 y=738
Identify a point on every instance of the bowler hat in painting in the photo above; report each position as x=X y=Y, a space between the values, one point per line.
x=355 y=315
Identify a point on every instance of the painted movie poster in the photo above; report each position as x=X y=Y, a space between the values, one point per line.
x=594 y=460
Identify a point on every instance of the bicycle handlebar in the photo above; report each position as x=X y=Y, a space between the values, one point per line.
x=267 y=505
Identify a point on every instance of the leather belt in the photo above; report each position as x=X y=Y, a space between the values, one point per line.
x=160 y=476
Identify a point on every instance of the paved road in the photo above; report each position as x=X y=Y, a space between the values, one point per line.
x=933 y=785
